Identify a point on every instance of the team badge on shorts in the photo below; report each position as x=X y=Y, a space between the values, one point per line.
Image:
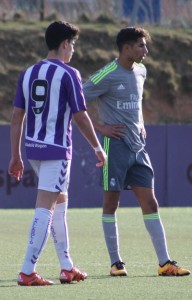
x=112 y=182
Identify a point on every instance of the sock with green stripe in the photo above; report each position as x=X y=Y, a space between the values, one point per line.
x=111 y=236
x=156 y=231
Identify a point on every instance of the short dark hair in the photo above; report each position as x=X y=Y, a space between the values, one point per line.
x=130 y=35
x=58 y=32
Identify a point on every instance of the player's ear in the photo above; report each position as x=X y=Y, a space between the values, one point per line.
x=64 y=44
x=126 y=46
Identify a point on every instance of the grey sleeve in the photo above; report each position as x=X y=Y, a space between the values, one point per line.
x=92 y=91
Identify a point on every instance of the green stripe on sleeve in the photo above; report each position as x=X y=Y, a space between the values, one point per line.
x=108 y=69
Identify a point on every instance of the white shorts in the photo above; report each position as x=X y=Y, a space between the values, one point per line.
x=53 y=175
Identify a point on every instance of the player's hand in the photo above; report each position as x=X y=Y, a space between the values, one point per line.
x=16 y=168
x=102 y=157
x=113 y=130
x=143 y=133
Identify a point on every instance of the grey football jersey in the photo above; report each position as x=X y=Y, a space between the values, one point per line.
x=119 y=93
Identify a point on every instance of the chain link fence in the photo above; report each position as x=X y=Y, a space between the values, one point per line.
x=168 y=13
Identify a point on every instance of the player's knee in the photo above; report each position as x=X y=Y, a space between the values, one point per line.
x=153 y=204
x=149 y=206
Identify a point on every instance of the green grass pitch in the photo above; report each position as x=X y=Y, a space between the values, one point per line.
x=88 y=251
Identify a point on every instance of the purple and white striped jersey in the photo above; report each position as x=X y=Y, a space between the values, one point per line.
x=50 y=92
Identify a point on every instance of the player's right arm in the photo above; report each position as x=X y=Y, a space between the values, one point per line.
x=16 y=167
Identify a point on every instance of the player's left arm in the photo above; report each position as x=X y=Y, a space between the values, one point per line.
x=16 y=167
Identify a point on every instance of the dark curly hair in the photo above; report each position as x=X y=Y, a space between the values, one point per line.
x=59 y=31
x=130 y=35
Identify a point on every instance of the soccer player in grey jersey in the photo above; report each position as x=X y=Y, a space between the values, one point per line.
x=118 y=88
x=49 y=93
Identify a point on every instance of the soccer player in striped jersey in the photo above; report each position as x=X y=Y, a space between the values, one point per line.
x=49 y=93
x=118 y=88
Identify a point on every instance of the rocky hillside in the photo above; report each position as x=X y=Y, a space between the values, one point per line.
x=168 y=89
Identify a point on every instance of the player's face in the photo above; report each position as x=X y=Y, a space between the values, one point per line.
x=69 y=50
x=138 y=51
